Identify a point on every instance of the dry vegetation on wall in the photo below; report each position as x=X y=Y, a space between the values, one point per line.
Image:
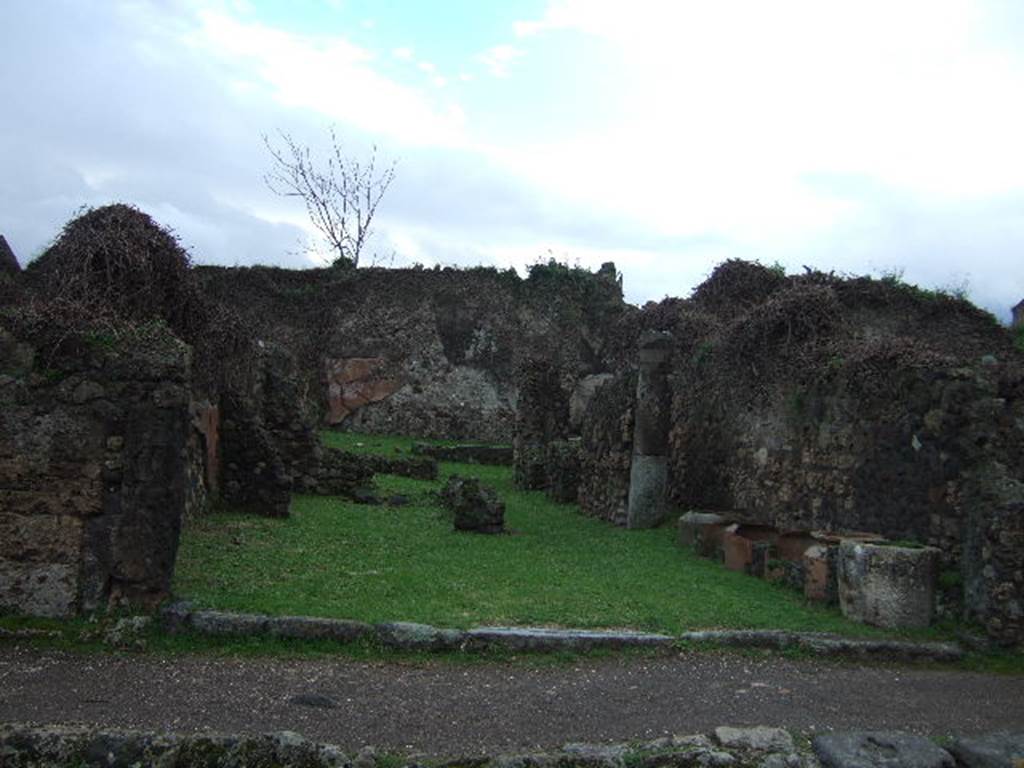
x=113 y=274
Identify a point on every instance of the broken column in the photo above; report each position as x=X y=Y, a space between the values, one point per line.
x=648 y=475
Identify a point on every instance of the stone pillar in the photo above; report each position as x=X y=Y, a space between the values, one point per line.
x=648 y=475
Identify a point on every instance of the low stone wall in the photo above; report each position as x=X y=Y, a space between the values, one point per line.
x=92 y=481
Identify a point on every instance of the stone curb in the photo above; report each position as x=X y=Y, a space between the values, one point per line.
x=423 y=637
x=404 y=635
x=765 y=747
x=829 y=645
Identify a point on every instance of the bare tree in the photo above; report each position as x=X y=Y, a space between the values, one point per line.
x=341 y=196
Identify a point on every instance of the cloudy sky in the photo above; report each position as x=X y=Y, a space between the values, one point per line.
x=667 y=136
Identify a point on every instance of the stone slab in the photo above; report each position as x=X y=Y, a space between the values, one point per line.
x=756 y=737
x=879 y=750
x=994 y=750
x=409 y=636
x=887 y=586
x=550 y=639
x=313 y=628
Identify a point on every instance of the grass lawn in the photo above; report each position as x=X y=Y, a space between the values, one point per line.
x=375 y=563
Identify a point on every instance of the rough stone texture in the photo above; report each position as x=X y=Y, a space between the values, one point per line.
x=450 y=340
x=23 y=746
x=408 y=636
x=92 y=482
x=542 y=416
x=878 y=750
x=607 y=450
x=582 y=396
x=648 y=479
x=353 y=383
x=497 y=455
x=828 y=645
x=8 y=261
x=887 y=586
x=758 y=737
x=994 y=552
x=562 y=467
x=474 y=507
x=551 y=640
x=994 y=750
x=702 y=532
x=821 y=581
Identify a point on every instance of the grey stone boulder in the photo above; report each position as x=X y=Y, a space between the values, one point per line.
x=756 y=737
x=475 y=507
x=861 y=749
x=994 y=750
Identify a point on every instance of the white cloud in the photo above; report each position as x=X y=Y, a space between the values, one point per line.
x=499 y=59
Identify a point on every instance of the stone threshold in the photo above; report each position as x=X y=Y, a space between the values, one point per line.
x=762 y=746
x=181 y=616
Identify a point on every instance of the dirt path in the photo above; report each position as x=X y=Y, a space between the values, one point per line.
x=445 y=710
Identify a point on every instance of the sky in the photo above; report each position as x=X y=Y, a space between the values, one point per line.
x=867 y=137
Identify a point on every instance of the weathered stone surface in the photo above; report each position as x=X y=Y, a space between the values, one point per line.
x=562 y=465
x=353 y=383
x=887 y=586
x=224 y=623
x=701 y=531
x=547 y=639
x=542 y=416
x=820 y=577
x=581 y=397
x=757 y=737
x=994 y=750
x=828 y=645
x=648 y=476
x=312 y=628
x=475 y=507
x=40 y=538
x=878 y=749
x=39 y=589
x=607 y=450
x=409 y=636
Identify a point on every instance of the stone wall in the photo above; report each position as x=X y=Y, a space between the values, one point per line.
x=92 y=484
x=607 y=449
x=426 y=352
x=821 y=403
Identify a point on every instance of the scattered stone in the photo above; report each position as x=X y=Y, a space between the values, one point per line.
x=757 y=737
x=365 y=496
x=871 y=750
x=996 y=750
x=476 y=508
x=313 y=700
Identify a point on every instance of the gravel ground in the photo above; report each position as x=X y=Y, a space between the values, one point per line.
x=443 y=709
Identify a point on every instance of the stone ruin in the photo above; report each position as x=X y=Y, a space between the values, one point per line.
x=794 y=414
x=791 y=415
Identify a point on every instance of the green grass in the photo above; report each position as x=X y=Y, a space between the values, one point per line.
x=337 y=559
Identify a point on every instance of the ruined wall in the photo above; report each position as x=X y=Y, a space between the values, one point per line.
x=426 y=352
x=607 y=450
x=92 y=486
x=822 y=403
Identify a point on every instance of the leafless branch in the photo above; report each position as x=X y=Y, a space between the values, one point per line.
x=341 y=196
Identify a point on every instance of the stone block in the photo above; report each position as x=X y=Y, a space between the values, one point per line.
x=871 y=750
x=702 y=532
x=40 y=538
x=743 y=544
x=791 y=546
x=475 y=508
x=887 y=586
x=756 y=737
x=48 y=590
x=820 y=573
x=994 y=750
